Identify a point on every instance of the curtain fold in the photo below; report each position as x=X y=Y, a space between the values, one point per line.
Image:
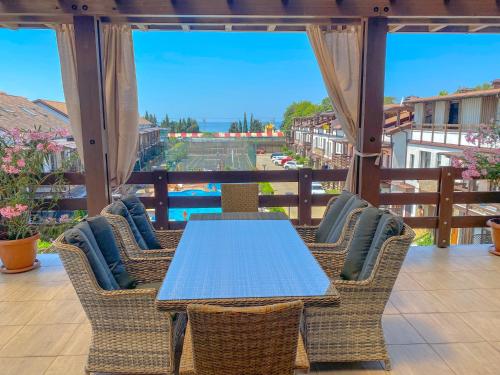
x=338 y=53
x=120 y=95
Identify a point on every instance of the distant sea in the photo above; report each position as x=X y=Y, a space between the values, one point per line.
x=222 y=126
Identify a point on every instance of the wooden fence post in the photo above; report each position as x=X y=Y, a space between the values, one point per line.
x=305 y=195
x=445 y=206
x=161 y=199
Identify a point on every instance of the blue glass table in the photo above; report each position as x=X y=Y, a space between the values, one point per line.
x=243 y=263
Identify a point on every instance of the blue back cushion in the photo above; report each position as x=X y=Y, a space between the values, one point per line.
x=119 y=208
x=141 y=220
x=360 y=243
x=82 y=237
x=331 y=216
x=388 y=226
x=336 y=230
x=106 y=242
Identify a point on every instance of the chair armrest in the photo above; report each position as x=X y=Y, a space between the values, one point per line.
x=169 y=239
x=331 y=257
x=148 y=269
x=307 y=232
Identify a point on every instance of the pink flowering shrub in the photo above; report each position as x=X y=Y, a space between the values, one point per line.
x=24 y=155
x=481 y=162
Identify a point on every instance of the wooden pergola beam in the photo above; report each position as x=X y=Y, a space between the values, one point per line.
x=299 y=8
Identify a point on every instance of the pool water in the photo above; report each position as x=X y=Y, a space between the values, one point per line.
x=178 y=214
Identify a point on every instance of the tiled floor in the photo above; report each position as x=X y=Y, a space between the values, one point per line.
x=443 y=318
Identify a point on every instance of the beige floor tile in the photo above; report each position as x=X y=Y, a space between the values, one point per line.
x=470 y=358
x=465 y=300
x=486 y=263
x=42 y=275
x=68 y=365
x=487 y=324
x=405 y=282
x=42 y=340
x=468 y=250
x=361 y=368
x=442 y=328
x=66 y=292
x=484 y=279
x=6 y=333
x=492 y=296
x=390 y=309
x=417 y=359
x=496 y=345
x=30 y=291
x=413 y=302
x=433 y=264
x=445 y=280
x=19 y=313
x=6 y=289
x=60 y=312
x=398 y=331
x=79 y=343
x=25 y=366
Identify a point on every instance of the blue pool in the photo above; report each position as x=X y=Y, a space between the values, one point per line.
x=181 y=214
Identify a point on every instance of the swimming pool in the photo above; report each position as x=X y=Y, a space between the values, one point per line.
x=181 y=214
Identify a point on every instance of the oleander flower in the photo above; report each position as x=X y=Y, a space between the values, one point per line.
x=10 y=212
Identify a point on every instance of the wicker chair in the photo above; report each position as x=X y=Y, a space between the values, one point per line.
x=129 y=334
x=240 y=197
x=330 y=255
x=253 y=340
x=353 y=331
x=169 y=239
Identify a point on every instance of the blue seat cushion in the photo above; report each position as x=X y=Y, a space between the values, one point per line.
x=336 y=230
x=82 y=237
x=141 y=220
x=119 y=208
x=388 y=226
x=331 y=216
x=106 y=242
x=360 y=243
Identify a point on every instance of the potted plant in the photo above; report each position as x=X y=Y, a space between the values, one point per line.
x=24 y=157
x=484 y=163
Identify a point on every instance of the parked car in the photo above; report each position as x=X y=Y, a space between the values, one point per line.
x=278 y=158
x=260 y=151
x=275 y=154
x=292 y=164
x=317 y=188
x=284 y=160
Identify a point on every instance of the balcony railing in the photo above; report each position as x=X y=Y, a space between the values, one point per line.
x=451 y=134
x=444 y=198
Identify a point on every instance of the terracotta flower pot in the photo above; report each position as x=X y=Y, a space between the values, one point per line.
x=494 y=224
x=19 y=255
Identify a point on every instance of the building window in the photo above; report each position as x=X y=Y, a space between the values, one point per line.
x=442 y=160
x=454 y=111
x=412 y=161
x=425 y=159
x=428 y=113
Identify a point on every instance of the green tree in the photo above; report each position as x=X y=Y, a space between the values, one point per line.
x=443 y=93
x=233 y=128
x=326 y=105
x=389 y=100
x=298 y=109
x=165 y=123
x=245 y=123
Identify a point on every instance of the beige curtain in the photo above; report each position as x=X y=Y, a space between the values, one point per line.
x=339 y=57
x=120 y=95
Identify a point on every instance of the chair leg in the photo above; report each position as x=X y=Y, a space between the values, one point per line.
x=387 y=365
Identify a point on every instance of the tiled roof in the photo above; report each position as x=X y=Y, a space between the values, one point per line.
x=462 y=95
x=19 y=112
x=56 y=106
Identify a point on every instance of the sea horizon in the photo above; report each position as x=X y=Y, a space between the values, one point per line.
x=222 y=126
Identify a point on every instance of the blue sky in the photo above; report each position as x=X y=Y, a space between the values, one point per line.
x=218 y=76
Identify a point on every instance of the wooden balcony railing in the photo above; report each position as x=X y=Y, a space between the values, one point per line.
x=443 y=198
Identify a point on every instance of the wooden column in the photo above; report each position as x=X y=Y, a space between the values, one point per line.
x=445 y=207
x=305 y=196
x=371 y=106
x=90 y=90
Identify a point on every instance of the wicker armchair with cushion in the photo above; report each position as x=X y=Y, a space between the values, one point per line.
x=132 y=225
x=240 y=197
x=261 y=340
x=364 y=278
x=328 y=241
x=129 y=334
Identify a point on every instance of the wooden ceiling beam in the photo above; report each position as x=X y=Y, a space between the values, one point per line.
x=476 y=28
x=396 y=28
x=271 y=28
x=296 y=8
x=228 y=27
x=436 y=28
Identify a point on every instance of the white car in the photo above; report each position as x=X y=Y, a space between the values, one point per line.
x=317 y=188
x=276 y=159
x=292 y=164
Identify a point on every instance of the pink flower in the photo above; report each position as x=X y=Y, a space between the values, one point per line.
x=21 y=163
x=7 y=159
x=10 y=169
x=10 y=212
x=62 y=133
x=40 y=147
x=64 y=218
x=52 y=147
x=484 y=172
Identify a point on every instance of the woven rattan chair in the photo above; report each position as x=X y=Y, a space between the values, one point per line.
x=245 y=341
x=353 y=331
x=240 y=197
x=169 y=239
x=129 y=334
x=330 y=255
